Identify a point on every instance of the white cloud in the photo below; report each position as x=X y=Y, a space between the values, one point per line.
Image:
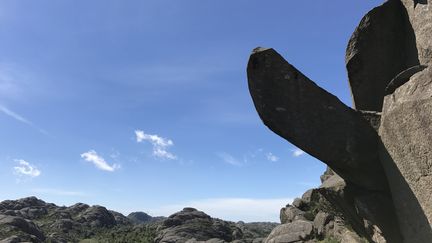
x=57 y=192
x=297 y=152
x=160 y=144
x=98 y=161
x=19 y=118
x=26 y=169
x=227 y=158
x=233 y=209
x=271 y=157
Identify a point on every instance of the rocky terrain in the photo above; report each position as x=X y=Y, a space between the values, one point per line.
x=382 y=147
x=379 y=153
x=33 y=220
x=317 y=216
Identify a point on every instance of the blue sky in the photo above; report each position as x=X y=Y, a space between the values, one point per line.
x=143 y=105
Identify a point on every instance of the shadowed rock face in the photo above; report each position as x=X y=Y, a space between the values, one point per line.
x=406 y=134
x=388 y=61
x=314 y=120
x=382 y=46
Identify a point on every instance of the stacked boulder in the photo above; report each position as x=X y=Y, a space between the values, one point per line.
x=312 y=217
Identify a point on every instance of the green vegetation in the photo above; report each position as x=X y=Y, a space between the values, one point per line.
x=138 y=234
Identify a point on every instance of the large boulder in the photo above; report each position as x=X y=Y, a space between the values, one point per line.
x=297 y=231
x=98 y=216
x=407 y=155
x=382 y=46
x=322 y=219
x=193 y=224
x=139 y=217
x=290 y=213
x=295 y=108
x=23 y=225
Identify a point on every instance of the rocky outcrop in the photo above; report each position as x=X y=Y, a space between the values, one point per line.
x=299 y=230
x=33 y=220
x=139 y=217
x=332 y=211
x=385 y=198
x=382 y=46
x=143 y=218
x=28 y=229
x=191 y=225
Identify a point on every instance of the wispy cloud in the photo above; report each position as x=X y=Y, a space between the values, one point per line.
x=271 y=157
x=26 y=169
x=57 y=192
x=233 y=209
x=229 y=159
x=297 y=152
x=160 y=144
x=14 y=115
x=98 y=161
x=19 y=118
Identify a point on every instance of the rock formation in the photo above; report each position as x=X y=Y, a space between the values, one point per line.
x=32 y=220
x=381 y=148
x=191 y=225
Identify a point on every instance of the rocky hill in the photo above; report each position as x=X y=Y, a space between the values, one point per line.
x=33 y=220
x=143 y=218
x=318 y=216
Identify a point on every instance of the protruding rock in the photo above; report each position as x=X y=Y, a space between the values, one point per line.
x=382 y=46
x=290 y=214
x=402 y=78
x=327 y=174
x=314 y=120
x=335 y=182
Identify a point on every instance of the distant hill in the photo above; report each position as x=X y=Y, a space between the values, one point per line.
x=33 y=220
x=143 y=218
